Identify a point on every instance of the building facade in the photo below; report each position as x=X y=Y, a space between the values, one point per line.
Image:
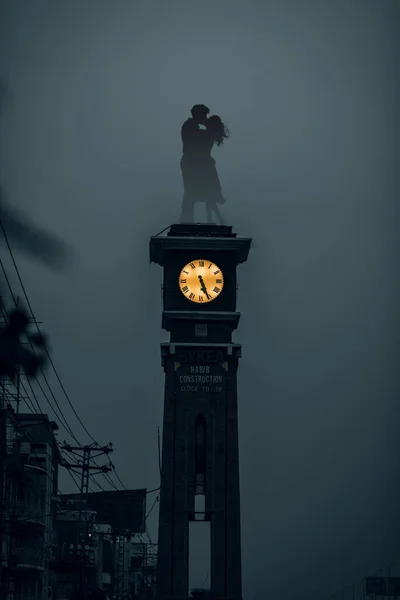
x=95 y=531
x=143 y=564
x=78 y=560
x=30 y=492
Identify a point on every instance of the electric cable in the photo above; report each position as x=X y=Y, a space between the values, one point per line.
x=118 y=477
x=62 y=419
x=38 y=329
x=95 y=482
x=152 y=506
x=206 y=577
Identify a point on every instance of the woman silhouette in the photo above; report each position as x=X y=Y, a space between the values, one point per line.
x=200 y=178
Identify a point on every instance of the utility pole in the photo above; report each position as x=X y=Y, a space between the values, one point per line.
x=86 y=454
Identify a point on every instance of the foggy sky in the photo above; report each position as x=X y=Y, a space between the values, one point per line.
x=96 y=93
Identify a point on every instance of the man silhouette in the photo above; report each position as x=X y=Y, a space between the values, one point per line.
x=194 y=148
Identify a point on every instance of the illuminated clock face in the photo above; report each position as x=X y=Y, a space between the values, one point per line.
x=201 y=281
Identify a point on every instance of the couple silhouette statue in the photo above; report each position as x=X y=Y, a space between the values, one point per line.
x=200 y=178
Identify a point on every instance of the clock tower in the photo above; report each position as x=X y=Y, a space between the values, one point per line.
x=200 y=454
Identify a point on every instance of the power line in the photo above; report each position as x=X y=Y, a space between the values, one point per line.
x=38 y=329
x=93 y=480
x=206 y=578
x=30 y=404
x=118 y=477
x=62 y=451
x=61 y=416
x=39 y=414
x=63 y=420
x=152 y=506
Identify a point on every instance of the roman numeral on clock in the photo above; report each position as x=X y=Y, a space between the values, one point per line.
x=192 y=265
x=185 y=289
x=184 y=281
x=191 y=295
x=216 y=290
x=216 y=281
x=201 y=263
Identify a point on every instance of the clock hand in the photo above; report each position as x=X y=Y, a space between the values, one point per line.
x=203 y=287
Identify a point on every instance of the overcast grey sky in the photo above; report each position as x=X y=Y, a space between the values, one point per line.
x=96 y=92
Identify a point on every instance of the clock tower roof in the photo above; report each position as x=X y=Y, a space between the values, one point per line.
x=201 y=230
x=198 y=237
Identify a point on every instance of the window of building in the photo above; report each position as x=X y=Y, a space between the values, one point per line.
x=40 y=448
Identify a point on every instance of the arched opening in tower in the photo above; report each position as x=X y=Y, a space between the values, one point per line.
x=200 y=456
x=199 y=525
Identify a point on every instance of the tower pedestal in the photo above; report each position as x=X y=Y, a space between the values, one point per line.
x=200 y=452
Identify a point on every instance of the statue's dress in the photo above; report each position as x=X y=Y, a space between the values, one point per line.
x=200 y=178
